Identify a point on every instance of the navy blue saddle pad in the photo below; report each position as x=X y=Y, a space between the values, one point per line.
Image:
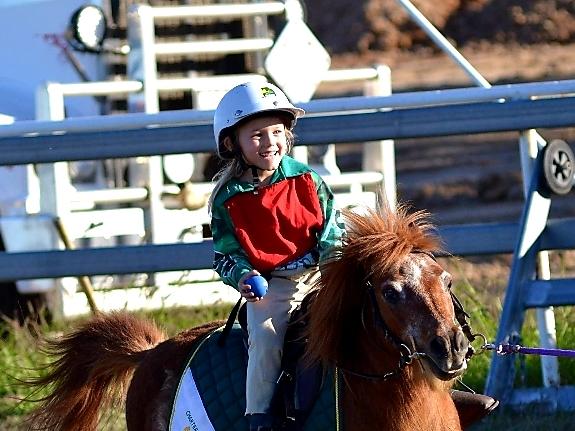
x=211 y=391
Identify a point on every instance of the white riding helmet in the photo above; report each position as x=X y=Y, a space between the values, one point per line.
x=244 y=101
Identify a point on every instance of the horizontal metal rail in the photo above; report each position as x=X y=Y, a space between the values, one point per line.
x=550 y=293
x=501 y=238
x=219 y=11
x=206 y=83
x=443 y=97
x=508 y=92
x=228 y=46
x=341 y=75
x=106 y=260
x=107 y=88
x=459 y=240
x=99 y=88
x=109 y=196
x=314 y=130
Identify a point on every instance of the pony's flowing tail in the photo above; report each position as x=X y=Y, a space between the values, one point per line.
x=90 y=370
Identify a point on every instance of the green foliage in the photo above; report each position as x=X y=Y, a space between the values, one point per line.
x=482 y=321
x=174 y=320
x=18 y=355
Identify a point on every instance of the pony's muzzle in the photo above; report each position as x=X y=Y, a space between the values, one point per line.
x=448 y=351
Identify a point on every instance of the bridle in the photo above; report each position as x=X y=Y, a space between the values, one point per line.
x=406 y=356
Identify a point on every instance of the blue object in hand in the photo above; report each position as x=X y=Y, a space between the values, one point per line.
x=258 y=284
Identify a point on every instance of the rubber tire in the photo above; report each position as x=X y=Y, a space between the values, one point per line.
x=558 y=167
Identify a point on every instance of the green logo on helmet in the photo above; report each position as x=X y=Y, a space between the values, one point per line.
x=266 y=91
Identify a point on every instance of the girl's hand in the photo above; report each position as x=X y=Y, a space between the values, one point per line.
x=245 y=289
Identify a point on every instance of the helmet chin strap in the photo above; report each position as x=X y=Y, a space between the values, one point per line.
x=245 y=166
x=255 y=177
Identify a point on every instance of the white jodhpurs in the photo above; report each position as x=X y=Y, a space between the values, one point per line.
x=267 y=321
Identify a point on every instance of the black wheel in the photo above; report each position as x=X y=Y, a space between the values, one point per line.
x=558 y=166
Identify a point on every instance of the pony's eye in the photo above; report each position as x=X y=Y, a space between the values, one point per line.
x=391 y=295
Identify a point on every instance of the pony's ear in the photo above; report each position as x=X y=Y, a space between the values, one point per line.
x=382 y=204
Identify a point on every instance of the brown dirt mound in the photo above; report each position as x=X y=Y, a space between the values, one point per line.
x=383 y=25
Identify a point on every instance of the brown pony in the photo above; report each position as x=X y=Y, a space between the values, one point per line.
x=383 y=301
x=382 y=314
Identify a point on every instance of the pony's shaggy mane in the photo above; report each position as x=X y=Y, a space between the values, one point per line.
x=375 y=243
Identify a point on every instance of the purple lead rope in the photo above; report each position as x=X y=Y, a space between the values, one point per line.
x=506 y=349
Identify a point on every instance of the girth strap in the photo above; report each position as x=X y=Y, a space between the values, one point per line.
x=229 y=323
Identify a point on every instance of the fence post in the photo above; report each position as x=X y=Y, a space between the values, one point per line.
x=53 y=178
x=142 y=67
x=529 y=142
x=380 y=155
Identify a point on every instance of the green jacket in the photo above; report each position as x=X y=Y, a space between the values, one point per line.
x=289 y=223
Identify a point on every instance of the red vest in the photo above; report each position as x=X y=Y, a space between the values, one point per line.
x=279 y=224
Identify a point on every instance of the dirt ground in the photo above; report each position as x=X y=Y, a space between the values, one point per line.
x=366 y=27
x=507 y=41
x=465 y=178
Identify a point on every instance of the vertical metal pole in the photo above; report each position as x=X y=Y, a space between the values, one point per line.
x=380 y=155
x=533 y=221
x=443 y=43
x=256 y=27
x=529 y=142
x=53 y=178
x=545 y=317
x=142 y=58
x=294 y=11
x=142 y=67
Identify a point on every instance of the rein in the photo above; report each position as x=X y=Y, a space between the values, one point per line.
x=405 y=359
x=461 y=316
x=510 y=349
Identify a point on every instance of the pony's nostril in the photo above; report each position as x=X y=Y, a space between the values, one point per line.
x=440 y=347
x=460 y=343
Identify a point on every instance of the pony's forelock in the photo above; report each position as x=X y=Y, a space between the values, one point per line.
x=379 y=240
x=375 y=243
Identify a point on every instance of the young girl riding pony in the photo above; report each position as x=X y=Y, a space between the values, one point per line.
x=271 y=216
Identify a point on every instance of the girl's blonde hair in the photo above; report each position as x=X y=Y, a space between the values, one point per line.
x=235 y=167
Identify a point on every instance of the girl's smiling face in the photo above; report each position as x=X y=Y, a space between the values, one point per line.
x=263 y=142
